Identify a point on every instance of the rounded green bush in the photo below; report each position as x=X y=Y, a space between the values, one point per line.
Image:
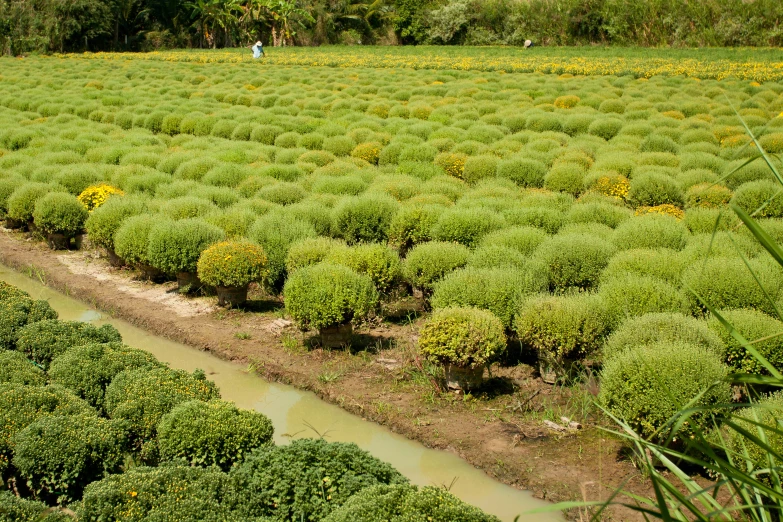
x=159 y=494
x=738 y=173
x=707 y=195
x=364 y=218
x=339 y=145
x=104 y=222
x=727 y=283
x=232 y=264
x=226 y=176
x=402 y=503
x=766 y=412
x=496 y=256
x=664 y=327
x=653 y=189
x=311 y=251
x=380 y=263
x=499 y=291
x=7 y=187
x=15 y=368
x=659 y=143
x=574 y=260
x=429 y=262
x=412 y=225
x=631 y=295
x=523 y=240
x=339 y=185
x=132 y=238
x=525 y=172
x=753 y=326
x=606 y=128
x=720 y=244
x=42 y=341
x=282 y=193
x=21 y=405
x=18 y=311
x=563 y=327
x=479 y=167
x=195 y=169
x=17 y=509
x=760 y=198
x=547 y=219
x=604 y=213
x=21 y=202
x=647 y=386
x=651 y=231
x=176 y=246
x=87 y=369
x=566 y=177
x=214 y=433
x=58 y=456
x=326 y=295
x=466 y=226
x=60 y=213
x=306 y=479
x=662 y=263
x=704 y=220
x=463 y=337
x=186 y=207
x=276 y=232
x=142 y=396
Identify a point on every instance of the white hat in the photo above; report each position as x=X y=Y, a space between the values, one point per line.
x=259 y=42
x=528 y=43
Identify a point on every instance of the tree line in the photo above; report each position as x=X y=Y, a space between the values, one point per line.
x=138 y=25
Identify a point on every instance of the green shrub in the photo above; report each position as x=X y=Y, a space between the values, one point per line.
x=719 y=244
x=18 y=311
x=339 y=145
x=21 y=202
x=648 y=385
x=463 y=337
x=523 y=171
x=195 y=169
x=563 y=327
x=412 y=225
x=704 y=220
x=17 y=509
x=60 y=213
x=427 y=263
x=402 y=502
x=339 y=185
x=631 y=295
x=665 y=327
x=142 y=396
x=226 y=176
x=466 y=226
x=326 y=295
x=276 y=232
x=651 y=231
x=132 y=238
x=87 y=369
x=311 y=251
x=659 y=143
x=479 y=167
x=727 y=283
x=548 y=219
x=761 y=198
x=380 y=263
x=761 y=418
x=707 y=195
x=186 y=207
x=58 y=456
x=738 y=173
x=653 y=189
x=500 y=291
x=42 y=341
x=158 y=494
x=566 y=177
x=523 y=240
x=662 y=263
x=9 y=291
x=574 y=260
x=15 y=368
x=364 y=218
x=104 y=222
x=176 y=246
x=232 y=264
x=757 y=328
x=282 y=193
x=22 y=405
x=306 y=479
x=604 y=213
x=7 y=187
x=495 y=256
x=266 y=134
x=214 y=433
x=606 y=128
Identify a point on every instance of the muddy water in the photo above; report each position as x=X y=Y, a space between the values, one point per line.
x=297 y=414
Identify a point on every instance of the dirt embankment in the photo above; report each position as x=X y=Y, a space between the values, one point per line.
x=500 y=431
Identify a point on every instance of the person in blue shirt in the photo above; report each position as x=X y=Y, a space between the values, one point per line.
x=258 y=50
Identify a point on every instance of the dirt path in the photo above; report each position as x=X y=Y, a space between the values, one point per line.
x=382 y=382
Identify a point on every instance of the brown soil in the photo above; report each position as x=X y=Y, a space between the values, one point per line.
x=500 y=430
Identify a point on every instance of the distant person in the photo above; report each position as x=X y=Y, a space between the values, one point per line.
x=529 y=44
x=258 y=50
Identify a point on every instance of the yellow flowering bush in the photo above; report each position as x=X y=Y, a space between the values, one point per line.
x=232 y=264
x=677 y=115
x=369 y=152
x=453 y=163
x=666 y=209
x=614 y=185
x=566 y=102
x=96 y=195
